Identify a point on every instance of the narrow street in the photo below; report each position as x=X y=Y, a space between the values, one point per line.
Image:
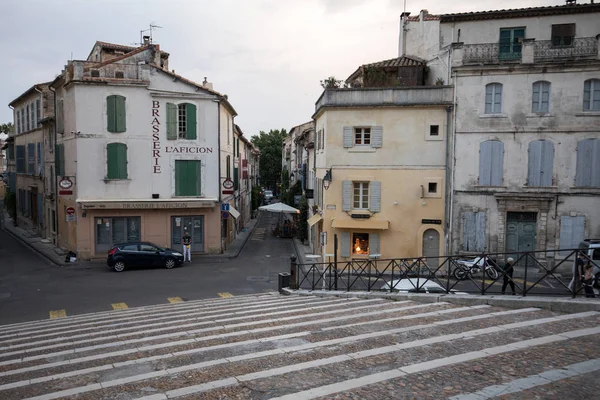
x=31 y=288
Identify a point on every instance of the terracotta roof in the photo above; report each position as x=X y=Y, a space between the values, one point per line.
x=404 y=61
x=521 y=12
x=115 y=46
x=39 y=86
x=428 y=17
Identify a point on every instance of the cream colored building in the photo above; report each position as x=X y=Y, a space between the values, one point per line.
x=381 y=164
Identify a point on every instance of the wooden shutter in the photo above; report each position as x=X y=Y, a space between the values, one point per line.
x=572 y=231
x=347 y=195
x=116 y=161
x=491 y=163
x=171 y=121
x=375 y=196
x=535 y=97
x=497 y=98
x=374 y=243
x=40 y=159
x=377 y=136
x=190 y=126
x=345 y=244
x=196 y=168
x=60 y=121
x=187 y=178
x=540 y=164
x=111 y=113
x=20 y=159
x=120 y=112
x=30 y=158
x=489 y=98
x=348 y=137
x=179 y=177
x=588 y=163
x=474 y=231
x=236 y=179
x=545 y=106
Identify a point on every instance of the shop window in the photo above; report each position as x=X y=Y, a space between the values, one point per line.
x=360 y=243
x=112 y=230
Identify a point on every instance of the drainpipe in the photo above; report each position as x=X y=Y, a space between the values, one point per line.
x=219 y=169
x=452 y=160
x=57 y=219
x=448 y=178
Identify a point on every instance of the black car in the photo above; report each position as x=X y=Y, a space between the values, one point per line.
x=142 y=254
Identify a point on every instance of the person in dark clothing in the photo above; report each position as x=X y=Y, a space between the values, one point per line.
x=508 y=275
x=187 y=242
x=575 y=283
x=587 y=280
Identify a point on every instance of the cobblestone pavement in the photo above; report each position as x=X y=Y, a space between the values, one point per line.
x=271 y=346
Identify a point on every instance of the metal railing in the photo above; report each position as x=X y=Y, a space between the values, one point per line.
x=544 y=50
x=487 y=53
x=531 y=275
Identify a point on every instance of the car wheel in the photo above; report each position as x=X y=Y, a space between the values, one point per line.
x=169 y=263
x=119 y=266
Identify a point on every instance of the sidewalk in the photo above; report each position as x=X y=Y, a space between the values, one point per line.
x=56 y=255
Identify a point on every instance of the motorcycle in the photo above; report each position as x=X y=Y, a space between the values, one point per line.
x=467 y=268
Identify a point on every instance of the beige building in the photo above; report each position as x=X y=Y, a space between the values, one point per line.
x=381 y=152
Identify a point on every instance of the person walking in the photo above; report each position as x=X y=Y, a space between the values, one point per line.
x=187 y=244
x=508 y=275
x=587 y=280
x=578 y=271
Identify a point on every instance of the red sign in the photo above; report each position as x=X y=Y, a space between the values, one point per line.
x=70 y=211
x=64 y=192
x=227 y=191
x=224 y=215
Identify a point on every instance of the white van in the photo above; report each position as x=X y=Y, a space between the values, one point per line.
x=591 y=248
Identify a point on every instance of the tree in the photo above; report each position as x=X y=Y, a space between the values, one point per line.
x=7 y=128
x=270 y=146
x=331 y=83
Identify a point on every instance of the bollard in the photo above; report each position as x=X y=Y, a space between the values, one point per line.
x=293 y=280
x=284 y=281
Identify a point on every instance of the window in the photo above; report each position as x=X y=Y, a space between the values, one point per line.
x=474 y=231
x=148 y=247
x=181 y=121
x=33 y=112
x=187 y=178
x=30 y=158
x=20 y=159
x=588 y=163
x=360 y=243
x=540 y=166
x=510 y=43
x=591 y=95
x=60 y=117
x=493 y=98
x=95 y=73
x=115 y=114
x=228 y=129
x=572 y=231
x=363 y=136
x=40 y=159
x=119 y=75
x=10 y=151
x=50 y=138
x=37 y=112
x=59 y=159
x=116 y=161
x=432 y=187
x=27 y=117
x=491 y=163
x=110 y=230
x=18 y=119
x=228 y=167
x=434 y=130
x=360 y=197
x=563 y=34
x=130 y=247
x=540 y=99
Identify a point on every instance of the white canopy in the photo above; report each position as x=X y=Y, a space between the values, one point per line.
x=280 y=208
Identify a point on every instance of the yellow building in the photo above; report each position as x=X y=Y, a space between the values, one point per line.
x=381 y=159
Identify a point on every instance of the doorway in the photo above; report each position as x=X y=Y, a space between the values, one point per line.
x=520 y=232
x=431 y=248
x=194 y=225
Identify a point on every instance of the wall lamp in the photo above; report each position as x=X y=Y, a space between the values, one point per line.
x=327 y=179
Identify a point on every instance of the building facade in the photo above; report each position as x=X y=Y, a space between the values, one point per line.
x=526 y=133
x=137 y=153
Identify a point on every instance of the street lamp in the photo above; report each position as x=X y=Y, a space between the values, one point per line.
x=327 y=179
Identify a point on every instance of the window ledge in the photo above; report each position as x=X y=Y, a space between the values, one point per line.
x=540 y=187
x=588 y=114
x=489 y=187
x=540 y=115
x=362 y=149
x=107 y=180
x=493 y=116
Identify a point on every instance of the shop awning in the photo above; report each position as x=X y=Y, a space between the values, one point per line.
x=314 y=219
x=234 y=213
x=360 y=224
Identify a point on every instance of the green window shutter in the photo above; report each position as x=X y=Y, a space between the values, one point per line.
x=171 y=121
x=236 y=179
x=179 y=175
x=59 y=159
x=187 y=178
x=120 y=114
x=238 y=148
x=190 y=115
x=116 y=161
x=197 y=177
x=111 y=113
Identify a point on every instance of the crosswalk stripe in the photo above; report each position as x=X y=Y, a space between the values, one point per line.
x=174 y=300
x=225 y=295
x=119 y=306
x=58 y=314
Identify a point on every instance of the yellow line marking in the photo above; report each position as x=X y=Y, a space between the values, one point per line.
x=175 y=299
x=225 y=295
x=119 y=306
x=58 y=314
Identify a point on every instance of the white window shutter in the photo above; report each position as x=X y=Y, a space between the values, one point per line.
x=374 y=243
x=377 y=136
x=348 y=137
x=346 y=195
x=375 y=196
x=345 y=244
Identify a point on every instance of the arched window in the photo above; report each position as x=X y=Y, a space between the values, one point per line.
x=591 y=95
x=540 y=97
x=493 y=98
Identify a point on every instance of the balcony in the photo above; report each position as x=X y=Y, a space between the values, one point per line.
x=373 y=97
x=529 y=52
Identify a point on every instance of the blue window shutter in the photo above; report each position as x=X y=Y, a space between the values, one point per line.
x=489 y=98
x=31 y=158
x=535 y=97
x=588 y=163
x=375 y=196
x=595 y=164
x=547 y=163
x=468 y=231
x=40 y=159
x=348 y=137
x=497 y=98
x=38 y=111
x=545 y=106
x=497 y=163
x=171 y=121
x=480 y=222
x=20 y=150
x=377 y=136
x=572 y=231
x=374 y=243
x=485 y=163
x=345 y=244
x=346 y=195
x=534 y=165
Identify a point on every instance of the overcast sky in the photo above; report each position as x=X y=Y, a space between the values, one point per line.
x=268 y=56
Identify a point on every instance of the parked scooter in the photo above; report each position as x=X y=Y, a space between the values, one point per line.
x=467 y=268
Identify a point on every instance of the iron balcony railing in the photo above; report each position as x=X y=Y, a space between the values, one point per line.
x=544 y=50
x=530 y=276
x=488 y=53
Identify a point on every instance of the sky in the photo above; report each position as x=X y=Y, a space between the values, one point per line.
x=268 y=56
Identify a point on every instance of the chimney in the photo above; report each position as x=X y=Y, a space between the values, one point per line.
x=206 y=84
x=402 y=34
x=146 y=40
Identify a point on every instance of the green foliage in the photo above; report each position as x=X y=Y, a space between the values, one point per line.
x=270 y=146
x=10 y=202
x=331 y=83
x=285 y=180
x=256 y=198
x=288 y=196
x=7 y=128
x=303 y=222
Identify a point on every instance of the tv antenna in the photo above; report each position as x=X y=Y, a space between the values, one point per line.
x=151 y=29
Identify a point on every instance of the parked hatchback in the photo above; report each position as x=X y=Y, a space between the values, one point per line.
x=142 y=254
x=268 y=196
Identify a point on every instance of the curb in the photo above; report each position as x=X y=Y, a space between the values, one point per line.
x=31 y=246
x=250 y=231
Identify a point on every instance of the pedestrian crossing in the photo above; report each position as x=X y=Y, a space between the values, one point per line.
x=271 y=346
